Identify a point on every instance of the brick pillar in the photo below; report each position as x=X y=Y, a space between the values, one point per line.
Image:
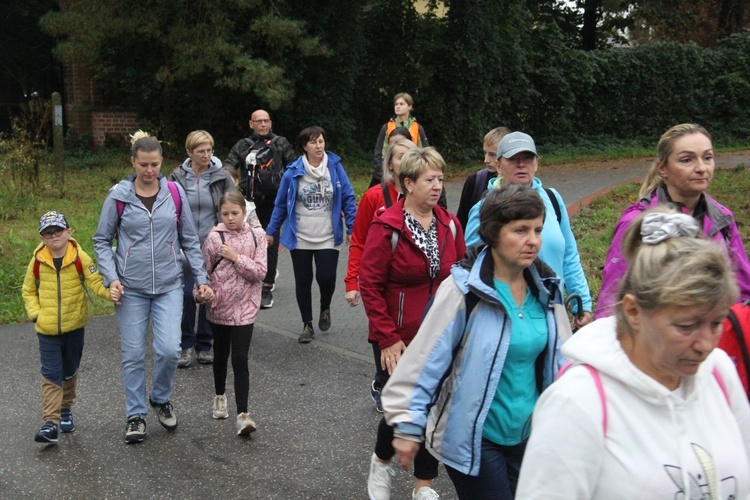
x=80 y=97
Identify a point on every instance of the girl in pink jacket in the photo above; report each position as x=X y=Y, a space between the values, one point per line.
x=235 y=255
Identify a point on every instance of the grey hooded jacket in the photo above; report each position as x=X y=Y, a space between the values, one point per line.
x=205 y=193
x=147 y=258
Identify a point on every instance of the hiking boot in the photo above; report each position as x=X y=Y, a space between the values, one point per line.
x=375 y=395
x=66 y=420
x=425 y=493
x=324 y=323
x=186 y=357
x=307 y=334
x=135 y=429
x=205 y=357
x=245 y=425
x=379 y=480
x=220 y=406
x=266 y=298
x=165 y=414
x=47 y=434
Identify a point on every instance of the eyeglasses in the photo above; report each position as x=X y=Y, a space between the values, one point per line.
x=203 y=152
x=52 y=234
x=262 y=120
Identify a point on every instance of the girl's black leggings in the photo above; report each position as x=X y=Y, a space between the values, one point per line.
x=234 y=339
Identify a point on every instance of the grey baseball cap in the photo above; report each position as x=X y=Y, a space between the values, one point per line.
x=514 y=143
x=52 y=219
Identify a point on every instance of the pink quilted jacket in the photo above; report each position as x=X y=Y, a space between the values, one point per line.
x=236 y=285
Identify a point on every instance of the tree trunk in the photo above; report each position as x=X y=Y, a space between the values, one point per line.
x=590 y=20
x=731 y=17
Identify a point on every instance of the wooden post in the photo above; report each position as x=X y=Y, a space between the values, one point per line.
x=57 y=140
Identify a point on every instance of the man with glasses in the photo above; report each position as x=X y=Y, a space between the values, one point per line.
x=258 y=162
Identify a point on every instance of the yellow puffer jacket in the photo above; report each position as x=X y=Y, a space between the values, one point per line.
x=59 y=305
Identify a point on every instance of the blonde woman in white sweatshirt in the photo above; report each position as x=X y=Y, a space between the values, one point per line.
x=650 y=409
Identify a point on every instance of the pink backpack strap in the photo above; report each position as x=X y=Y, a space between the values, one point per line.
x=599 y=388
x=175 y=198
x=722 y=385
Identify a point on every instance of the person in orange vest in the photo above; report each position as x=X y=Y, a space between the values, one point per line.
x=402 y=106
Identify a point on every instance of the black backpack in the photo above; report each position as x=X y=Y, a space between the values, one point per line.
x=263 y=178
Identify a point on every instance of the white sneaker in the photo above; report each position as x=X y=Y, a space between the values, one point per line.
x=425 y=493
x=379 y=480
x=220 y=406
x=245 y=424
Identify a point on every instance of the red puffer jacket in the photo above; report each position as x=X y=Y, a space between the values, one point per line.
x=395 y=283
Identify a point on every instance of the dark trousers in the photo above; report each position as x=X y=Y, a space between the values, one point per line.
x=425 y=465
x=201 y=339
x=381 y=376
x=264 y=212
x=235 y=340
x=498 y=473
x=325 y=274
x=60 y=355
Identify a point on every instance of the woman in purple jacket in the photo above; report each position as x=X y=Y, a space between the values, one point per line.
x=681 y=175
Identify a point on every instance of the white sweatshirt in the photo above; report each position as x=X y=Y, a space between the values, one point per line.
x=683 y=444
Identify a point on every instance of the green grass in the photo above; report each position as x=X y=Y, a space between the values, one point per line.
x=594 y=225
x=89 y=177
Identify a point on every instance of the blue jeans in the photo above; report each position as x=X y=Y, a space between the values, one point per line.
x=132 y=316
x=201 y=339
x=498 y=473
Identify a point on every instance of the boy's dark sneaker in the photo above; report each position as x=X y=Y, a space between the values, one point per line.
x=375 y=395
x=47 y=434
x=135 y=430
x=324 y=323
x=165 y=414
x=266 y=298
x=307 y=334
x=66 y=420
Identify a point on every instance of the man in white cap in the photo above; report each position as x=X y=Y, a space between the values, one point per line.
x=517 y=163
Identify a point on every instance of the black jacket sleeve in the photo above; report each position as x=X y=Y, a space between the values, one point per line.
x=467 y=200
x=377 y=159
x=286 y=150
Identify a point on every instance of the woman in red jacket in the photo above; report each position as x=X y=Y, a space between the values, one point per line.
x=381 y=196
x=409 y=251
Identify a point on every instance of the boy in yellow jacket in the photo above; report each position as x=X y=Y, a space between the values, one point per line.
x=54 y=293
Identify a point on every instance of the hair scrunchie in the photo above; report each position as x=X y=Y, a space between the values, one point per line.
x=658 y=227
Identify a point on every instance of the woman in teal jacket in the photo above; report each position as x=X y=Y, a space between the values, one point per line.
x=313 y=193
x=487 y=348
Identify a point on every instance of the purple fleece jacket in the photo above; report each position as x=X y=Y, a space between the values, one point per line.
x=718 y=225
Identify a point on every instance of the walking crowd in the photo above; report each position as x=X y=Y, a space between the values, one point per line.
x=475 y=362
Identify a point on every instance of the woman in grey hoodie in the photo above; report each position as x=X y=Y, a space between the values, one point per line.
x=204 y=180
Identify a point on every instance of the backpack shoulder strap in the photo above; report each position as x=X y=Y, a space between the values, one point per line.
x=176 y=199
x=452 y=227
x=722 y=385
x=741 y=341
x=599 y=389
x=386 y=195
x=37 y=264
x=555 y=204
